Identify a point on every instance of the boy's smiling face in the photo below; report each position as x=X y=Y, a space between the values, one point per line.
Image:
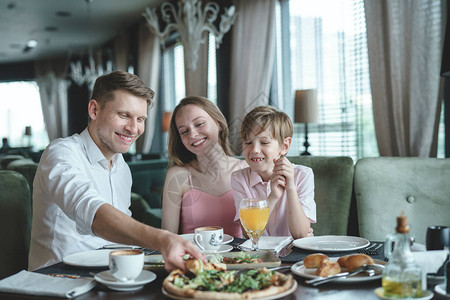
x=260 y=150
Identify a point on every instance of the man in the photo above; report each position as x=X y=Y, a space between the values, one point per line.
x=82 y=186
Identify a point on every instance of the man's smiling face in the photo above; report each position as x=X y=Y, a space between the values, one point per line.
x=116 y=125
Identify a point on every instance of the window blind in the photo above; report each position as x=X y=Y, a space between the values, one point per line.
x=324 y=47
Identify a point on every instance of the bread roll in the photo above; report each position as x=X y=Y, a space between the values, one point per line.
x=343 y=260
x=357 y=260
x=327 y=268
x=314 y=260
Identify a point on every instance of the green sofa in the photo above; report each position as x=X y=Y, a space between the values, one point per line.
x=359 y=200
x=387 y=186
x=333 y=191
x=15 y=222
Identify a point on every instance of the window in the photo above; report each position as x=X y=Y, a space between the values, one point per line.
x=173 y=83
x=323 y=46
x=21 y=107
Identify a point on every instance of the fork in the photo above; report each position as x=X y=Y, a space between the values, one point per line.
x=370 y=269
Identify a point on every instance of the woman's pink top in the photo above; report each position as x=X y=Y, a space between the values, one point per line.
x=200 y=209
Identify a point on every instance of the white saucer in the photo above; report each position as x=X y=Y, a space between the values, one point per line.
x=440 y=289
x=226 y=237
x=222 y=249
x=107 y=279
x=425 y=295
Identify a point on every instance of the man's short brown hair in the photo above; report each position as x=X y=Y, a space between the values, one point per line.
x=106 y=85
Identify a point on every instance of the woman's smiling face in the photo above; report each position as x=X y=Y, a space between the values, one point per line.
x=197 y=130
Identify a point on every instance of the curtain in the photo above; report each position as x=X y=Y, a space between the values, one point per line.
x=252 y=58
x=149 y=56
x=50 y=77
x=121 y=51
x=197 y=81
x=404 y=41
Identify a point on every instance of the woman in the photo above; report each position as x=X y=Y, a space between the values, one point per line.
x=197 y=189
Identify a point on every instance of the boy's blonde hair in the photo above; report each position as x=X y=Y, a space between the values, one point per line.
x=264 y=117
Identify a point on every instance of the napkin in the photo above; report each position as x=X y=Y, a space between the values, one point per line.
x=429 y=262
x=31 y=283
x=272 y=243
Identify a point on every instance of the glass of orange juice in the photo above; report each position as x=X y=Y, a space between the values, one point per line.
x=254 y=214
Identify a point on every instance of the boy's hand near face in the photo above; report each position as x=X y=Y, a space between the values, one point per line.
x=282 y=178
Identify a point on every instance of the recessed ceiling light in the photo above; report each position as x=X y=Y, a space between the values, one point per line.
x=32 y=43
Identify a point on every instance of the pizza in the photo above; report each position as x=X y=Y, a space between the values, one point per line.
x=213 y=281
x=240 y=258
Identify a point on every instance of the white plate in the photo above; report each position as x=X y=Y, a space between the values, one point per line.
x=90 y=258
x=107 y=279
x=222 y=249
x=226 y=237
x=331 y=243
x=300 y=270
x=277 y=296
x=440 y=289
x=425 y=295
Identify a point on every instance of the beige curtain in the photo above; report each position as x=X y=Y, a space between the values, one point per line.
x=252 y=56
x=197 y=81
x=404 y=41
x=148 y=70
x=51 y=79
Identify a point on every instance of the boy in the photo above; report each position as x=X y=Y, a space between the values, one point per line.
x=267 y=135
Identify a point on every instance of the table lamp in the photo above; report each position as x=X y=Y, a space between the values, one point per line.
x=167 y=116
x=165 y=124
x=306 y=111
x=28 y=134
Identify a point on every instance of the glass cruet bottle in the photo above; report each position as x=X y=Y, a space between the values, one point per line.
x=402 y=277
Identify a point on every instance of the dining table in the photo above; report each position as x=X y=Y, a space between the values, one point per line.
x=153 y=290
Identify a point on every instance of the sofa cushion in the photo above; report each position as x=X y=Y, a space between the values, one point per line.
x=148 y=179
x=333 y=183
x=15 y=222
x=386 y=186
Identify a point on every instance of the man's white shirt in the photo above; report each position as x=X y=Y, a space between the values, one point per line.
x=72 y=181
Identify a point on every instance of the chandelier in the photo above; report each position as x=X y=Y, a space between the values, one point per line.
x=190 y=21
x=89 y=73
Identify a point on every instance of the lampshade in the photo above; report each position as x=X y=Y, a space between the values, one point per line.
x=167 y=116
x=306 y=107
x=445 y=67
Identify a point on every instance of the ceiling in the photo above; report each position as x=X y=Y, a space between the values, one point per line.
x=62 y=26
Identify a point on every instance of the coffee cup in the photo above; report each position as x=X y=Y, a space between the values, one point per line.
x=126 y=265
x=438 y=237
x=209 y=238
